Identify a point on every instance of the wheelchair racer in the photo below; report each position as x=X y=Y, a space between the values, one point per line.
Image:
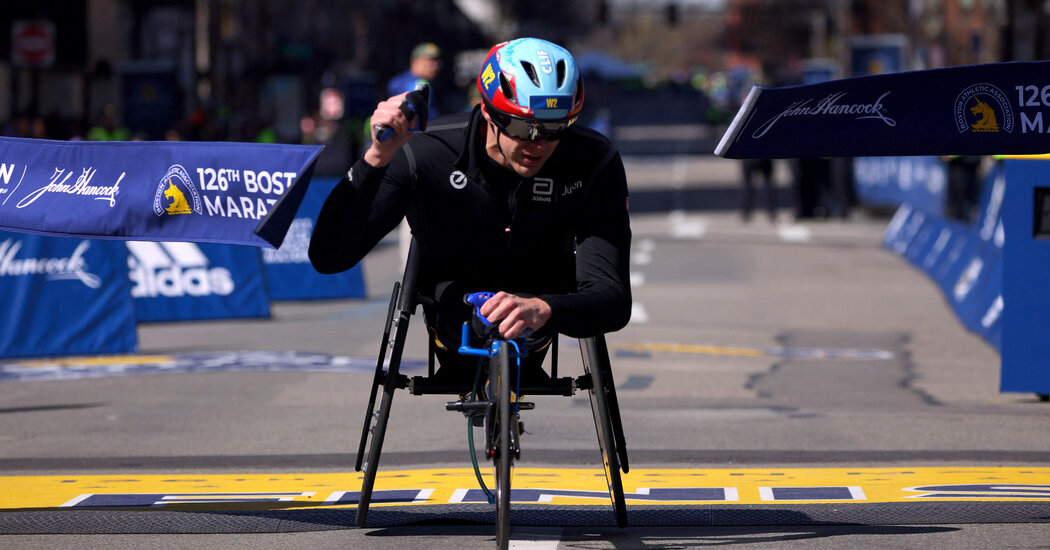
x=512 y=198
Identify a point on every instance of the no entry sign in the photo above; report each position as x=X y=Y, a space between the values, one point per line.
x=33 y=43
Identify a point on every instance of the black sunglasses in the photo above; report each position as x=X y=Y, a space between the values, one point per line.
x=529 y=129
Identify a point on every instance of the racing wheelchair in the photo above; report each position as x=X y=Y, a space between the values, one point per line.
x=497 y=408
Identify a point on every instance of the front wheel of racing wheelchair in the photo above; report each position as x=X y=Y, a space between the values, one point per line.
x=597 y=380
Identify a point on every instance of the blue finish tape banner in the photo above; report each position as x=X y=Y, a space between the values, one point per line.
x=183 y=281
x=288 y=270
x=999 y=108
x=153 y=191
x=61 y=296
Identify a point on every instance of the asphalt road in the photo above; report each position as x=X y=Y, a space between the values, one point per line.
x=790 y=345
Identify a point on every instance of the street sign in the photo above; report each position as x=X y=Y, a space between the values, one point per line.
x=33 y=43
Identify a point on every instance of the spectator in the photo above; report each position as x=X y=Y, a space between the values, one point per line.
x=108 y=129
x=963 y=186
x=812 y=178
x=424 y=66
x=763 y=169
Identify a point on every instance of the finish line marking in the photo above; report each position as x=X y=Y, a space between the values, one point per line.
x=87 y=368
x=646 y=349
x=561 y=486
x=84 y=368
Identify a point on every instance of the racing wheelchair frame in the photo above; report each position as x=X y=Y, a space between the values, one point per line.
x=597 y=380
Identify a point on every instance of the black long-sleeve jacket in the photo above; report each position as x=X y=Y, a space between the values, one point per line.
x=562 y=235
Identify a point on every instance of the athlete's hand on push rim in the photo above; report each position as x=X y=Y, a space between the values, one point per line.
x=515 y=313
x=388 y=113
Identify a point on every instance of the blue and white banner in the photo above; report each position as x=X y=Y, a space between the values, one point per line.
x=155 y=191
x=1000 y=108
x=288 y=270
x=182 y=281
x=967 y=268
x=61 y=296
x=921 y=182
x=966 y=261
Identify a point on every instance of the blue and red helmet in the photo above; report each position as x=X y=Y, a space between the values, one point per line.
x=531 y=87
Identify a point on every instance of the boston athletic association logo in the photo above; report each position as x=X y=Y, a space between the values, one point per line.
x=176 y=194
x=983 y=108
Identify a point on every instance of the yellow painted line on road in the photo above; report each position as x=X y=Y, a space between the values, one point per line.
x=693 y=349
x=95 y=361
x=842 y=354
x=561 y=486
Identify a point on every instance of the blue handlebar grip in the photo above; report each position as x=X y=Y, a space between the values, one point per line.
x=384 y=133
x=476 y=299
x=415 y=103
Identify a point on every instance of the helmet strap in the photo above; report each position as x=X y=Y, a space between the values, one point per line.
x=497 y=130
x=499 y=146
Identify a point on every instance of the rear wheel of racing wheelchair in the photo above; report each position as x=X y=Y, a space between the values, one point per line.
x=403 y=302
x=607 y=424
x=386 y=379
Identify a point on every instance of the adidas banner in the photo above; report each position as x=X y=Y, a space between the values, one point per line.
x=1000 y=108
x=183 y=281
x=64 y=297
x=153 y=191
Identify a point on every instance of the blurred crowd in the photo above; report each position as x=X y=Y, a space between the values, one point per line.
x=819 y=188
x=198 y=126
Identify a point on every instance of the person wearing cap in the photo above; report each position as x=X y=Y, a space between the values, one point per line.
x=423 y=67
x=512 y=198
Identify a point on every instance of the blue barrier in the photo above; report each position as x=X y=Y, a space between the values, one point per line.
x=288 y=270
x=181 y=281
x=1026 y=289
x=62 y=296
x=966 y=261
x=116 y=284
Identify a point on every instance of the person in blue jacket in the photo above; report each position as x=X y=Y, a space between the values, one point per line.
x=423 y=67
